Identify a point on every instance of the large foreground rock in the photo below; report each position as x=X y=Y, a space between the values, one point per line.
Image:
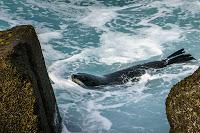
x=27 y=101
x=183 y=105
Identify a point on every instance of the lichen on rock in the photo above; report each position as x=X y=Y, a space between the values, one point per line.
x=27 y=101
x=183 y=105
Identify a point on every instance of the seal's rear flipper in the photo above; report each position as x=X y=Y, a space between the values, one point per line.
x=179 y=52
x=180 y=59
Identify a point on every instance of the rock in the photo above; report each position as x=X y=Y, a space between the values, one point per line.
x=183 y=105
x=27 y=101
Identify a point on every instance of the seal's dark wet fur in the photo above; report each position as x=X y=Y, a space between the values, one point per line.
x=133 y=73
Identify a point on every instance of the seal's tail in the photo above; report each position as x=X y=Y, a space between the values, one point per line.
x=179 y=57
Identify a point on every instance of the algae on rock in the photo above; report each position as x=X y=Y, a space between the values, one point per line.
x=183 y=105
x=27 y=101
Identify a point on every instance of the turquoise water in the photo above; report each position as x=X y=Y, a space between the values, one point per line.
x=102 y=36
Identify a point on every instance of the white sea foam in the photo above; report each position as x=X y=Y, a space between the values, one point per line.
x=64 y=129
x=47 y=36
x=48 y=49
x=61 y=82
x=162 y=36
x=192 y=6
x=168 y=77
x=98 y=17
x=119 y=47
x=4 y=15
x=101 y=122
x=124 y=48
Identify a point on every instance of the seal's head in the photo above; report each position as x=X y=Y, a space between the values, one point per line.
x=84 y=79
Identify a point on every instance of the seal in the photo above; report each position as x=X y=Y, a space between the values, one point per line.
x=129 y=74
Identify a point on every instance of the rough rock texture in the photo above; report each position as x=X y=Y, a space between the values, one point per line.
x=27 y=101
x=183 y=105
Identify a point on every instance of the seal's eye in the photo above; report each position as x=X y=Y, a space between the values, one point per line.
x=73 y=76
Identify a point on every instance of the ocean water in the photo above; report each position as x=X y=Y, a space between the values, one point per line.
x=102 y=36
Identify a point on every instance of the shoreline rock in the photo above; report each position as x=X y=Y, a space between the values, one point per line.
x=183 y=105
x=28 y=102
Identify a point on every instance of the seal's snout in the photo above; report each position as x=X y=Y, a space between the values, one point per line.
x=73 y=76
x=75 y=79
